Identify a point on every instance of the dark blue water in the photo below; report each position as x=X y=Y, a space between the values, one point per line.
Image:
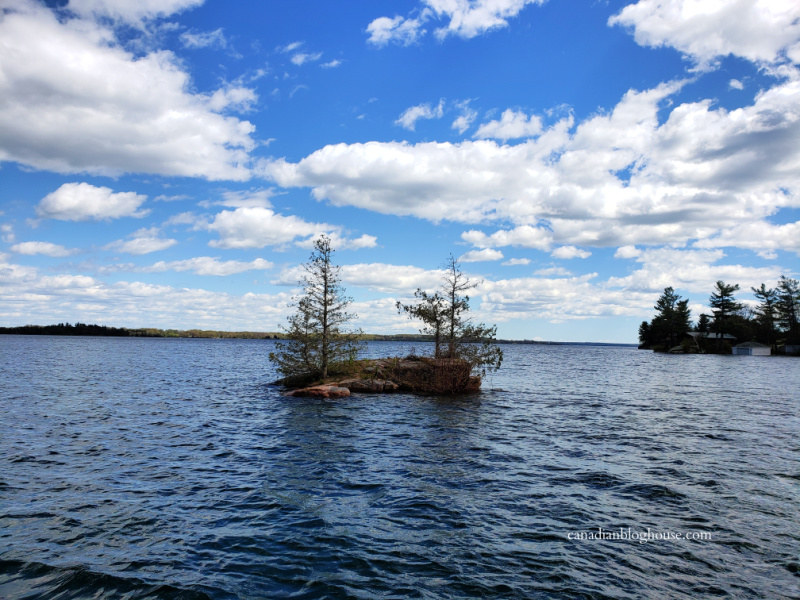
x=163 y=468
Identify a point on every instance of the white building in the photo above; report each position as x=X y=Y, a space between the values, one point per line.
x=751 y=349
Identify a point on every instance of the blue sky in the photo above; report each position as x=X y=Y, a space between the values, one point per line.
x=168 y=163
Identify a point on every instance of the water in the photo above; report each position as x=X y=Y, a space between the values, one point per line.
x=158 y=468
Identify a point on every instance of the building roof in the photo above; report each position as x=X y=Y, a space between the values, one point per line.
x=711 y=335
x=750 y=345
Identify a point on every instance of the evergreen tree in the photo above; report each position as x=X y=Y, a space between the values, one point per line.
x=672 y=320
x=431 y=311
x=724 y=306
x=703 y=323
x=317 y=339
x=766 y=314
x=645 y=335
x=788 y=308
x=444 y=315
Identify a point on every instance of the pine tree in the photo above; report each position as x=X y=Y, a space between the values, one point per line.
x=766 y=312
x=788 y=308
x=444 y=315
x=431 y=311
x=317 y=338
x=672 y=320
x=724 y=306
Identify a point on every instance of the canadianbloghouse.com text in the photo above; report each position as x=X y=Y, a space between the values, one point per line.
x=643 y=536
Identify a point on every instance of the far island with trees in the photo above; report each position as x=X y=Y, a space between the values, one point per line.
x=320 y=353
x=772 y=325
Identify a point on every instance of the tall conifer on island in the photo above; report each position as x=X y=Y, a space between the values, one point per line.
x=670 y=323
x=724 y=306
x=317 y=338
x=444 y=315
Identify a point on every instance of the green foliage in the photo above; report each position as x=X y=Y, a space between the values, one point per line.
x=431 y=311
x=787 y=308
x=456 y=338
x=671 y=322
x=317 y=341
x=723 y=305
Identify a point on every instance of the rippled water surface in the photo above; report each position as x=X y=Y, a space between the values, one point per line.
x=157 y=468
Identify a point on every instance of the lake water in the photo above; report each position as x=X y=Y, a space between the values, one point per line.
x=168 y=468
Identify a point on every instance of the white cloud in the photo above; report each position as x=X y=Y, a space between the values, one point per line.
x=568 y=252
x=73 y=100
x=131 y=11
x=523 y=236
x=692 y=270
x=142 y=241
x=627 y=252
x=466 y=118
x=397 y=29
x=516 y=261
x=408 y=120
x=377 y=277
x=257 y=227
x=247 y=198
x=481 y=255
x=705 y=30
x=302 y=58
x=735 y=84
x=44 y=248
x=464 y=18
x=83 y=202
x=619 y=178
x=553 y=272
x=204 y=39
x=7 y=233
x=512 y=125
x=235 y=98
x=759 y=236
x=331 y=64
x=30 y=297
x=207 y=265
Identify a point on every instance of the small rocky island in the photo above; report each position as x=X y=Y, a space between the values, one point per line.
x=319 y=357
x=413 y=374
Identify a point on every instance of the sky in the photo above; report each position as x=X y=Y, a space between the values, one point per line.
x=169 y=163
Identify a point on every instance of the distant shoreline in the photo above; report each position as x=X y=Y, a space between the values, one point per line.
x=84 y=330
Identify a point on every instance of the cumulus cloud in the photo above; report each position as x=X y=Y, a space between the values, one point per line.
x=43 y=248
x=512 y=125
x=143 y=241
x=74 y=100
x=516 y=261
x=31 y=297
x=618 y=178
x=130 y=11
x=83 y=202
x=257 y=227
x=463 y=18
x=758 y=30
x=568 y=252
x=692 y=270
x=627 y=252
x=408 y=120
x=481 y=255
x=207 y=265
x=376 y=277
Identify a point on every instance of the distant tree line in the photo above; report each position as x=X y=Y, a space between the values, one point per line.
x=773 y=322
x=82 y=329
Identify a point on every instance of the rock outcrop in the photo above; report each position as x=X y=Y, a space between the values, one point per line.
x=321 y=391
x=422 y=375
